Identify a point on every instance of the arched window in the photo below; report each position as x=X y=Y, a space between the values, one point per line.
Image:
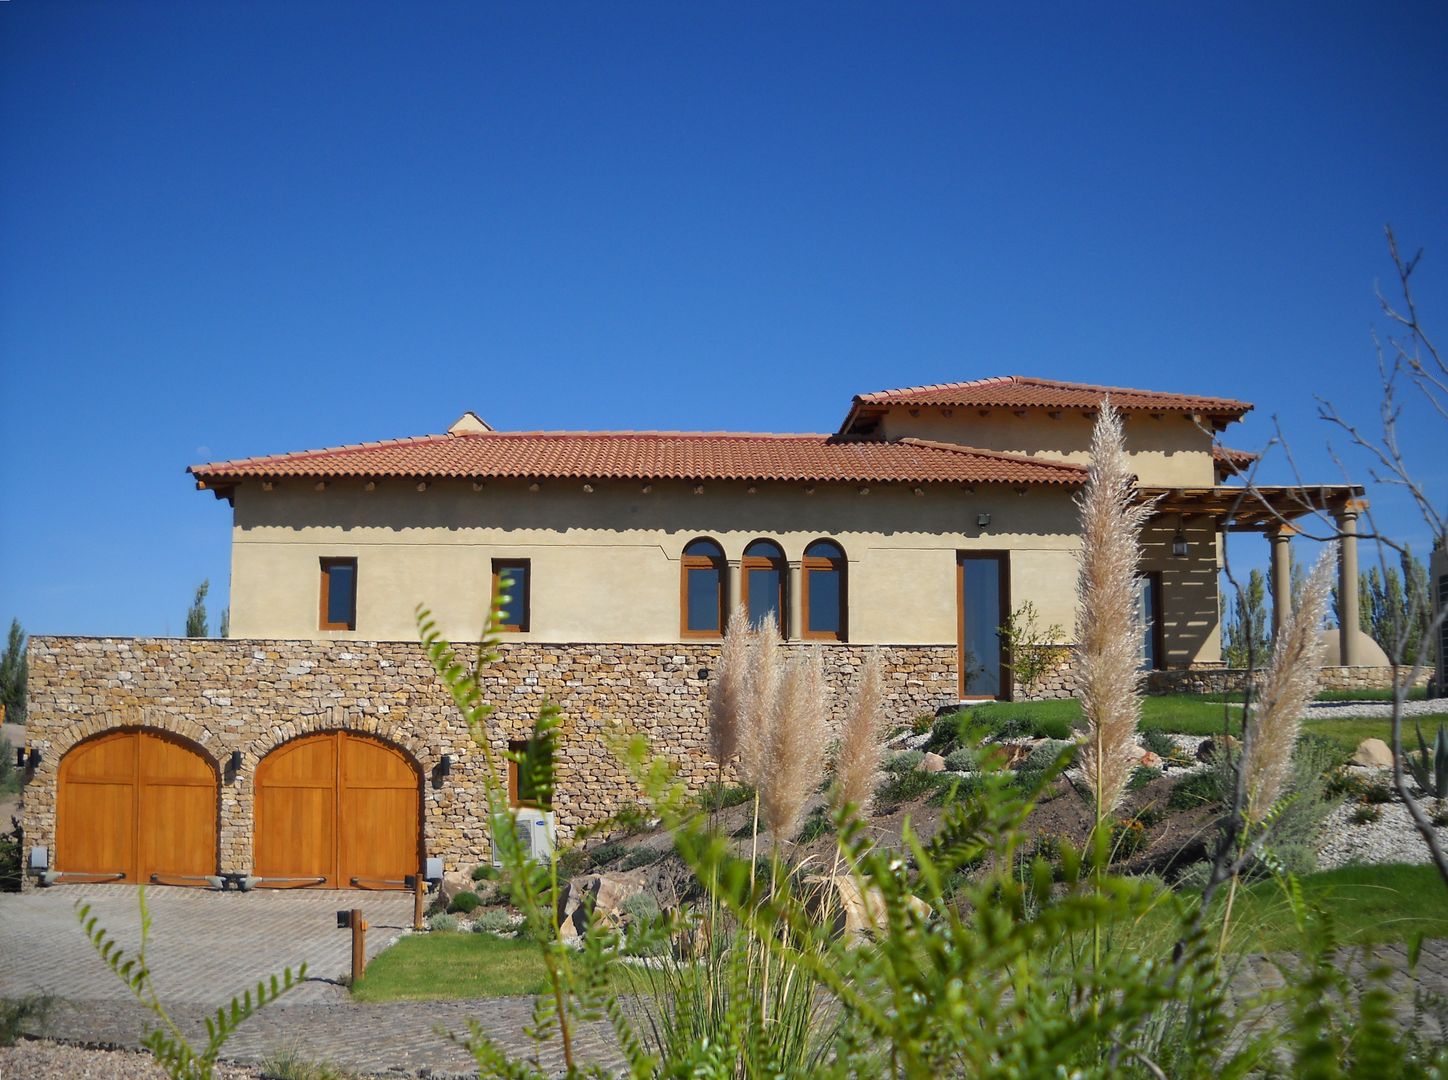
x=701 y=589
x=765 y=577
x=824 y=591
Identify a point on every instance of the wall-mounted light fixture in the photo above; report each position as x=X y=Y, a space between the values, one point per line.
x=1179 y=541
x=703 y=674
x=982 y=520
x=234 y=765
x=27 y=758
x=444 y=765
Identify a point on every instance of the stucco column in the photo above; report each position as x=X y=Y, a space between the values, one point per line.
x=733 y=587
x=1281 y=576
x=1347 y=584
x=794 y=598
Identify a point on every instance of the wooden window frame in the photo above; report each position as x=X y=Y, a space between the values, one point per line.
x=515 y=800
x=1158 y=611
x=327 y=563
x=818 y=562
x=526 y=565
x=703 y=562
x=1007 y=676
x=761 y=562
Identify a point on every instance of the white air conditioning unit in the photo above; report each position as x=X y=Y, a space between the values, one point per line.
x=536 y=831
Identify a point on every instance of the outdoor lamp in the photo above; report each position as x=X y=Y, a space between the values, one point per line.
x=344 y=919
x=235 y=762
x=1179 y=542
x=444 y=766
x=20 y=757
x=982 y=520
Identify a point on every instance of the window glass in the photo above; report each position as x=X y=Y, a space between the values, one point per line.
x=981 y=607
x=340 y=585
x=763 y=595
x=1147 y=600
x=523 y=793
x=515 y=606
x=704 y=548
x=824 y=602
x=764 y=549
x=703 y=598
x=824 y=549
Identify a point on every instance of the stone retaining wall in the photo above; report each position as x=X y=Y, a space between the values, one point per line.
x=252 y=696
x=1217 y=680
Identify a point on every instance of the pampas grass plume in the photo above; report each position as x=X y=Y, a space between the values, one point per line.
x=1108 y=622
x=729 y=695
x=759 y=702
x=857 y=765
x=1290 y=682
x=793 y=761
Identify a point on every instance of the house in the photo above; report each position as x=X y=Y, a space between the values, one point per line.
x=332 y=757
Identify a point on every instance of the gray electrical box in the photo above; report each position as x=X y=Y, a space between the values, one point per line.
x=433 y=869
x=39 y=859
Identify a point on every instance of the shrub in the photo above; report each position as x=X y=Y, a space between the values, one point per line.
x=607 y=853
x=903 y=786
x=12 y=844
x=1128 y=839
x=643 y=856
x=1165 y=747
x=723 y=796
x=1377 y=792
x=640 y=907
x=903 y=762
x=922 y=723
x=1142 y=776
x=817 y=824
x=1197 y=790
x=571 y=863
x=486 y=872
x=956 y=788
x=464 y=903
x=442 y=923
x=1365 y=814
x=496 y=921
x=291 y=1063
x=962 y=760
x=945 y=733
x=18 y=1013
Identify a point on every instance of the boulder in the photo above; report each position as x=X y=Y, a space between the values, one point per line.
x=453 y=882
x=607 y=893
x=1207 y=751
x=1373 y=754
x=851 y=913
x=1150 y=760
x=931 y=763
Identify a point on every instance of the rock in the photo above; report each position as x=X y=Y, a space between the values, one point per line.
x=851 y=913
x=453 y=882
x=1373 y=754
x=931 y=763
x=607 y=892
x=1150 y=760
x=1207 y=751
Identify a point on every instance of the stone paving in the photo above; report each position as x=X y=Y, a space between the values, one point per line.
x=208 y=946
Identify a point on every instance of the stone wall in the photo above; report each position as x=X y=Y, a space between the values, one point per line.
x=254 y=695
x=1217 y=680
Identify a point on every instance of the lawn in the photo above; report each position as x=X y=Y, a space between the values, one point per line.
x=1187 y=714
x=1368 y=904
x=429 y=967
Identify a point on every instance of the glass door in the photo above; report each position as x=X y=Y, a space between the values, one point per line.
x=983 y=598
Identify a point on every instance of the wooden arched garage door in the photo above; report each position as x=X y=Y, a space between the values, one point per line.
x=138 y=803
x=337 y=810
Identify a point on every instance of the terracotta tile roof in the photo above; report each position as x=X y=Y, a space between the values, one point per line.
x=649 y=455
x=1021 y=391
x=1230 y=462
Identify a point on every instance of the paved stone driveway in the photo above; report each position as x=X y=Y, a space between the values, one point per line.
x=207 y=946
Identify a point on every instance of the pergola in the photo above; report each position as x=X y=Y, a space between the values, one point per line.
x=1272 y=510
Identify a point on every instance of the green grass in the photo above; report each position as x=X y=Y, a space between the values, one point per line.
x=1189 y=714
x=430 y=967
x=1368 y=904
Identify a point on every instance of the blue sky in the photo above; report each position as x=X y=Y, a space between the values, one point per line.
x=229 y=229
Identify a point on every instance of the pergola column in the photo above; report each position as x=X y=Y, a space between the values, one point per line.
x=1347 y=584
x=1281 y=575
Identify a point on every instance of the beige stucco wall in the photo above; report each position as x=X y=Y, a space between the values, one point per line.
x=606 y=563
x=1166 y=451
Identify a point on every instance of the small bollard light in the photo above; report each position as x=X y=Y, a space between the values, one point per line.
x=344 y=919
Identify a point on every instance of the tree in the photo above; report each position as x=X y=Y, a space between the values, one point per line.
x=14 y=674
x=224 y=630
x=196 y=616
x=1246 y=638
x=1395 y=606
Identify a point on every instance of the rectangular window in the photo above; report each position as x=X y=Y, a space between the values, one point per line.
x=765 y=587
x=705 y=586
x=520 y=789
x=339 y=594
x=984 y=604
x=518 y=573
x=1149 y=593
